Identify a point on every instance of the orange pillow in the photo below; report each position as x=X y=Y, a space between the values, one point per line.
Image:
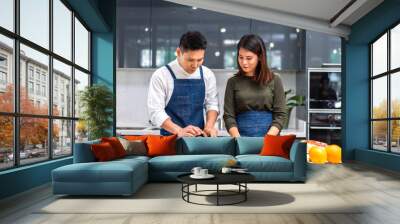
x=116 y=145
x=161 y=145
x=277 y=145
x=103 y=152
x=136 y=137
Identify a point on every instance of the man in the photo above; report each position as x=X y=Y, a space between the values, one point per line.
x=180 y=91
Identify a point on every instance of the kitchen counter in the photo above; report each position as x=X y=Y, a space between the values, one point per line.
x=299 y=132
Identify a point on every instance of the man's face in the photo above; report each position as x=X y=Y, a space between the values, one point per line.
x=190 y=60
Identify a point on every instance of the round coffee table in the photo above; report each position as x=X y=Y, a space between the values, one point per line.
x=238 y=179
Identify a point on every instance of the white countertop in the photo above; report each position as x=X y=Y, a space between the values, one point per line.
x=300 y=133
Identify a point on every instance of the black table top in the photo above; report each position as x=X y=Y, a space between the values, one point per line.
x=220 y=178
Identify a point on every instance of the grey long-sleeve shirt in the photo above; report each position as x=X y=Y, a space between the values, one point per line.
x=244 y=94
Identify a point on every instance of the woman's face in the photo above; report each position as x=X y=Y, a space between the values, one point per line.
x=247 y=61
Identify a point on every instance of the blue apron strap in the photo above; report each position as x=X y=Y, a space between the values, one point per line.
x=170 y=71
x=201 y=72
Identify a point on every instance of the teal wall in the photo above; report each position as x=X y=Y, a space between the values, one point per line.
x=103 y=52
x=356 y=84
x=24 y=178
x=99 y=16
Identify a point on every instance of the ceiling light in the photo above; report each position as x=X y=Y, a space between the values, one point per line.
x=194 y=7
x=146 y=29
x=223 y=30
x=217 y=54
x=271 y=45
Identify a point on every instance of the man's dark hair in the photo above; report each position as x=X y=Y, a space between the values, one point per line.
x=192 y=40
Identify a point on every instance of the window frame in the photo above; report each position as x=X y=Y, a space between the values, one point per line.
x=388 y=74
x=16 y=114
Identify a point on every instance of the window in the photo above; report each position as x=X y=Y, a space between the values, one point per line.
x=62 y=29
x=81 y=81
x=3 y=61
x=81 y=45
x=53 y=125
x=385 y=97
x=34 y=21
x=63 y=73
x=3 y=78
x=30 y=72
x=30 y=87
x=7 y=14
x=43 y=90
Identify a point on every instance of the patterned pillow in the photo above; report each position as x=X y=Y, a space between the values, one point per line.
x=134 y=147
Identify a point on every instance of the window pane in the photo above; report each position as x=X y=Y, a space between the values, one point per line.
x=33 y=139
x=81 y=131
x=6 y=142
x=81 y=45
x=81 y=81
x=395 y=138
x=62 y=133
x=35 y=21
x=379 y=135
x=379 y=55
x=395 y=95
x=34 y=72
x=62 y=89
x=6 y=74
x=395 y=47
x=379 y=97
x=7 y=14
x=62 y=29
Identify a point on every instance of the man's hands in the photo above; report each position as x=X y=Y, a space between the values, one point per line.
x=190 y=131
x=193 y=131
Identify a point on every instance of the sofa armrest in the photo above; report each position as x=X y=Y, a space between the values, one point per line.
x=83 y=152
x=298 y=155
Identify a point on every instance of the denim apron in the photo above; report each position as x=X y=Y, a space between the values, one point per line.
x=187 y=102
x=254 y=123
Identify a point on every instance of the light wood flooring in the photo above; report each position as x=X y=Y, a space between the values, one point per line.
x=378 y=188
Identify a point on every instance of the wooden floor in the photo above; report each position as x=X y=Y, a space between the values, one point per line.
x=378 y=188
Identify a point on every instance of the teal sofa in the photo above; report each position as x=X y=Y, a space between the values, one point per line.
x=125 y=176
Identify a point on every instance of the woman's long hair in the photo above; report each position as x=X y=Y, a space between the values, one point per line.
x=255 y=44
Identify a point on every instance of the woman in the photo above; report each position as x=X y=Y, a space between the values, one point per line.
x=255 y=103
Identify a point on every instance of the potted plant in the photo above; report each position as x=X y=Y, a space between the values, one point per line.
x=292 y=102
x=96 y=102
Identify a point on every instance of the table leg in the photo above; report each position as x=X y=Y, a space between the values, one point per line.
x=217 y=194
x=245 y=193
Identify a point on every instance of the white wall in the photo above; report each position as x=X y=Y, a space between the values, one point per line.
x=132 y=85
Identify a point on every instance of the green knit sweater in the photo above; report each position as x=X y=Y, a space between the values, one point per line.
x=244 y=94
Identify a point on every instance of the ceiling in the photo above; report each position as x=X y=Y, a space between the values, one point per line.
x=333 y=17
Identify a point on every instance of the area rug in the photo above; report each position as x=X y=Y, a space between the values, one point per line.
x=167 y=198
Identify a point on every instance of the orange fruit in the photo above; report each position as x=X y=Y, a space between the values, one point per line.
x=318 y=155
x=334 y=153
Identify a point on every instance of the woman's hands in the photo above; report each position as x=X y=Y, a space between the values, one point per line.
x=234 y=132
x=273 y=131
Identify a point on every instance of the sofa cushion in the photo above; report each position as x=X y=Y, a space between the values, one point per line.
x=185 y=163
x=161 y=145
x=103 y=152
x=277 y=145
x=112 y=171
x=134 y=147
x=207 y=145
x=116 y=145
x=257 y=163
x=249 y=145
